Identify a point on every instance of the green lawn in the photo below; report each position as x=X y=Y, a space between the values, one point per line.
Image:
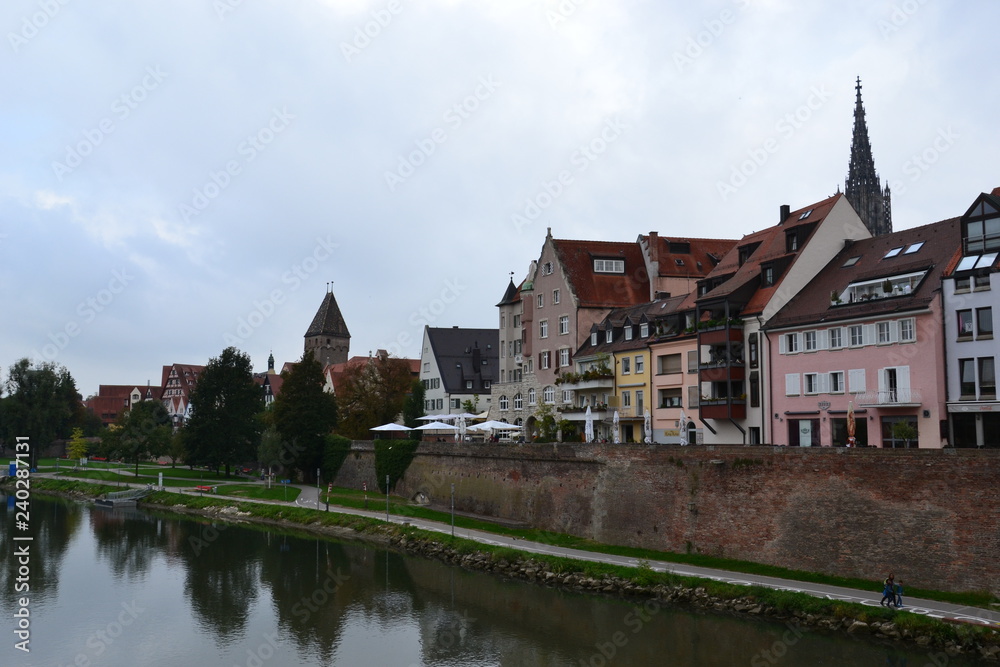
x=187 y=473
x=112 y=477
x=260 y=491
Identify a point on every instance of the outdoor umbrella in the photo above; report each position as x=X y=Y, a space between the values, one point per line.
x=390 y=427
x=851 y=425
x=647 y=423
x=589 y=426
x=683 y=429
x=617 y=438
x=435 y=426
x=461 y=428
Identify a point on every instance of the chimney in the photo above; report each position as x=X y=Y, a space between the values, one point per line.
x=786 y=210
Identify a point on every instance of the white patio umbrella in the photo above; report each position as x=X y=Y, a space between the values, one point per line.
x=647 y=423
x=390 y=427
x=431 y=418
x=435 y=426
x=616 y=438
x=494 y=425
x=683 y=429
x=461 y=428
x=588 y=428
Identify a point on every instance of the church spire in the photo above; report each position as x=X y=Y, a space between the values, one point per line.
x=863 y=188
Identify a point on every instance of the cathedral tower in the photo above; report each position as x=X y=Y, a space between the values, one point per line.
x=327 y=337
x=862 y=188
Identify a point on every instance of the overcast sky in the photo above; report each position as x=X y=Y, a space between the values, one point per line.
x=179 y=176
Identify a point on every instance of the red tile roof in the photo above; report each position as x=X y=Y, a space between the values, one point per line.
x=705 y=254
x=603 y=290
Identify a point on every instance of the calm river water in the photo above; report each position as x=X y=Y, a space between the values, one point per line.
x=128 y=588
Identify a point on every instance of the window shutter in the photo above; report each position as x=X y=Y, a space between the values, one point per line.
x=903 y=380
x=791 y=384
x=782 y=344
x=824 y=383
x=881 y=380
x=894 y=331
x=822 y=339
x=868 y=334
x=856 y=378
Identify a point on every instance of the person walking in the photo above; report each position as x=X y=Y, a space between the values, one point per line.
x=888 y=591
x=899 y=595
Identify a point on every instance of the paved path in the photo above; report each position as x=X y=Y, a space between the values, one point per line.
x=309 y=497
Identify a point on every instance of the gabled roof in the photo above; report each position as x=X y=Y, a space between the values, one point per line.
x=603 y=290
x=335 y=372
x=634 y=315
x=465 y=355
x=771 y=248
x=812 y=304
x=186 y=373
x=328 y=320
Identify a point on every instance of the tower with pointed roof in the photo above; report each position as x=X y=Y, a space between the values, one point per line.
x=863 y=189
x=327 y=337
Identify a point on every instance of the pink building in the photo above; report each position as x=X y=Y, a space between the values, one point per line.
x=865 y=333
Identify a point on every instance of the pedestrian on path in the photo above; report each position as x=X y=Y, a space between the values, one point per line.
x=899 y=595
x=888 y=591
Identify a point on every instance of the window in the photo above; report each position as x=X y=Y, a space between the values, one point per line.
x=670 y=398
x=628 y=332
x=913 y=247
x=883 y=333
x=609 y=266
x=567 y=395
x=805 y=215
x=543 y=328
x=564 y=325
x=609 y=335
x=693 y=397
x=767 y=275
x=836 y=338
x=640 y=363
x=982 y=234
x=837 y=382
x=984 y=322
x=893 y=252
x=810 y=341
x=532 y=397
x=626 y=399
x=564 y=357
x=549 y=394
x=555 y=296
x=791 y=343
x=962 y=284
x=517 y=320
x=857 y=335
x=754 y=390
x=644 y=330
x=964 y=323
x=544 y=359
x=468 y=384
x=851 y=261
x=692 y=361
x=753 y=350
x=982 y=282
x=427 y=367
x=669 y=364
x=547 y=269
x=518 y=402
x=541 y=301
x=811 y=383
x=455 y=403
x=791 y=241
x=987 y=378
x=967 y=378
x=626 y=365
x=593 y=339
x=791 y=384
x=907 y=331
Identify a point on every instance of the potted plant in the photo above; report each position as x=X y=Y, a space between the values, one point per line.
x=887 y=286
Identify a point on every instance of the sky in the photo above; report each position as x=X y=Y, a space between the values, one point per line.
x=179 y=177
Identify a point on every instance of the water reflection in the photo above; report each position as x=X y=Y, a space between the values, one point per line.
x=215 y=594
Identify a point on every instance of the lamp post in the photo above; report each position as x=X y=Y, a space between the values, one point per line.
x=317 y=488
x=453 y=510
x=387 y=498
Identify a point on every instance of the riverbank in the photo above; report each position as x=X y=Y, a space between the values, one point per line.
x=641 y=584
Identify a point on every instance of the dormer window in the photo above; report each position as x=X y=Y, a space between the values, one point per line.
x=791 y=241
x=767 y=275
x=806 y=214
x=593 y=339
x=628 y=332
x=609 y=335
x=609 y=266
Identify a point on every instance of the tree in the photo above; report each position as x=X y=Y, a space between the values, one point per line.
x=372 y=393
x=224 y=428
x=471 y=406
x=905 y=431
x=413 y=408
x=141 y=433
x=42 y=403
x=78 y=445
x=302 y=414
x=177 y=449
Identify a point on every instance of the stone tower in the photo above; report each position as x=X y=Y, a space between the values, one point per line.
x=327 y=337
x=862 y=188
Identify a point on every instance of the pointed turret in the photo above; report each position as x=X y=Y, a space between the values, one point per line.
x=863 y=188
x=327 y=337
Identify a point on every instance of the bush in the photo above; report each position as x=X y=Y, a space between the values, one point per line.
x=392 y=458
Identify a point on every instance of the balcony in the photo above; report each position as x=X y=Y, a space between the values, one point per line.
x=575 y=414
x=721 y=371
x=895 y=398
x=723 y=408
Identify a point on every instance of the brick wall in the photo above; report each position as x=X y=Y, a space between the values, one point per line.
x=931 y=516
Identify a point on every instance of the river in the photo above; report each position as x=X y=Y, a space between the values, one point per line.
x=133 y=588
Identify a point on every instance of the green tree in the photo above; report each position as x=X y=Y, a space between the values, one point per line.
x=224 y=428
x=372 y=393
x=905 y=431
x=141 y=433
x=177 y=449
x=413 y=408
x=471 y=406
x=41 y=403
x=78 y=445
x=270 y=450
x=303 y=414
